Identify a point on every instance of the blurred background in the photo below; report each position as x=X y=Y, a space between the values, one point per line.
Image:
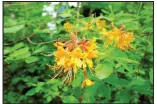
x=26 y=75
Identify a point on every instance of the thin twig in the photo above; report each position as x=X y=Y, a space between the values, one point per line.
x=47 y=54
x=17 y=41
x=41 y=43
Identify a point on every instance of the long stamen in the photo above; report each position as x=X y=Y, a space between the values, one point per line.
x=66 y=77
x=85 y=73
x=56 y=74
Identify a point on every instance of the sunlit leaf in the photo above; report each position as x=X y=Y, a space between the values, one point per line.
x=103 y=70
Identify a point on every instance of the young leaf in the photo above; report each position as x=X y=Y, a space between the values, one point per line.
x=31 y=92
x=17 y=46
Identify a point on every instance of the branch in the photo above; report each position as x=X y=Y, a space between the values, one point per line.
x=17 y=41
x=47 y=54
x=41 y=43
x=78 y=9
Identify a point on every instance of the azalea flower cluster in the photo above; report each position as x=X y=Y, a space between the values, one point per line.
x=118 y=37
x=74 y=55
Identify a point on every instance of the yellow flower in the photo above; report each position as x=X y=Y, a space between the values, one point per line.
x=69 y=60
x=77 y=53
x=92 y=44
x=57 y=44
x=100 y=23
x=125 y=40
x=92 y=54
x=89 y=26
x=68 y=27
x=61 y=52
x=78 y=57
x=86 y=83
x=69 y=63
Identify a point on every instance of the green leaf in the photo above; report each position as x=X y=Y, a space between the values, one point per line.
x=19 y=54
x=89 y=100
x=39 y=49
x=13 y=29
x=69 y=99
x=137 y=81
x=17 y=46
x=103 y=70
x=54 y=94
x=78 y=80
x=54 y=82
x=115 y=81
x=31 y=59
x=49 y=98
x=39 y=31
x=66 y=14
x=7 y=50
x=31 y=92
x=11 y=97
x=104 y=90
x=127 y=60
x=123 y=96
x=143 y=89
x=65 y=88
x=89 y=94
x=112 y=54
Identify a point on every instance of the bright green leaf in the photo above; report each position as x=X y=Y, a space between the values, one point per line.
x=17 y=46
x=13 y=29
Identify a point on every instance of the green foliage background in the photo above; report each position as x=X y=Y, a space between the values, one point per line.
x=27 y=76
